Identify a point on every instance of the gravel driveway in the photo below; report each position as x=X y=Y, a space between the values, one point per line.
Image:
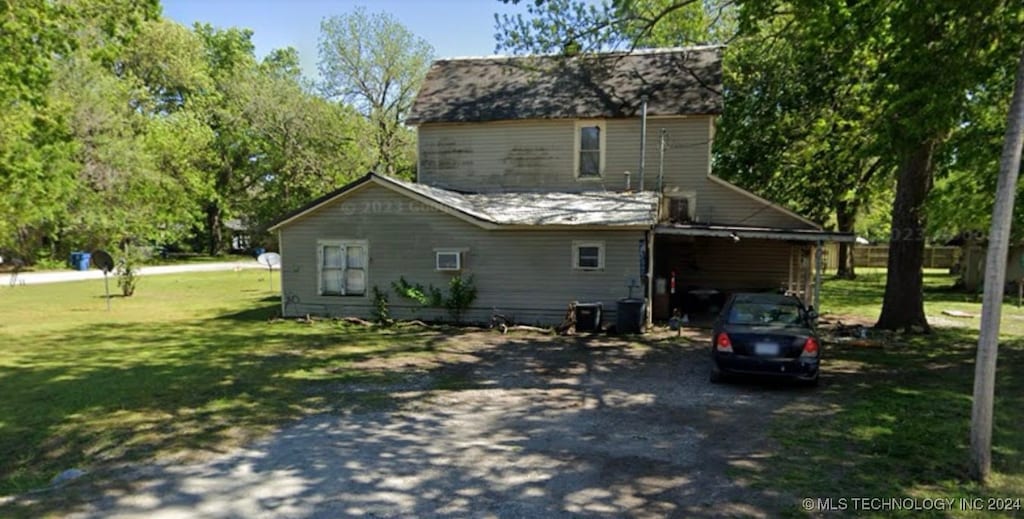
x=529 y=426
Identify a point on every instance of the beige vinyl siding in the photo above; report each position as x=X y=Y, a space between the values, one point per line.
x=499 y=156
x=687 y=151
x=538 y=155
x=721 y=205
x=527 y=275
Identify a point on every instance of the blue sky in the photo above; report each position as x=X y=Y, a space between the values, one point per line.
x=453 y=27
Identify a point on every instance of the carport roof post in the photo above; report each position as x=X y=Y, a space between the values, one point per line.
x=819 y=252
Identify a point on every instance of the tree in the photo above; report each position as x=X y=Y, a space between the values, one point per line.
x=40 y=154
x=230 y=58
x=935 y=55
x=995 y=277
x=808 y=144
x=36 y=173
x=961 y=202
x=304 y=145
x=572 y=26
x=374 y=63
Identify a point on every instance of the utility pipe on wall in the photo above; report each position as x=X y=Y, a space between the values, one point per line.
x=661 y=158
x=643 y=138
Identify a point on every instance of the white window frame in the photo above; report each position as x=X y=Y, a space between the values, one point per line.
x=344 y=244
x=458 y=259
x=601 y=142
x=576 y=245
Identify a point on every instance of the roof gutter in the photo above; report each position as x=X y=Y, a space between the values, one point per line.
x=736 y=233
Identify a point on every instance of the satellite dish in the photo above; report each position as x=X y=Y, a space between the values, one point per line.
x=102 y=260
x=270 y=259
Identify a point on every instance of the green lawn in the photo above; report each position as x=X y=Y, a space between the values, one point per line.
x=893 y=421
x=862 y=297
x=192 y=363
x=189 y=362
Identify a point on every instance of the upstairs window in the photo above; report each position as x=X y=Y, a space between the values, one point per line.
x=342 y=268
x=590 y=145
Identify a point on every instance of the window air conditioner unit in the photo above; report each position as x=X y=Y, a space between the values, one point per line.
x=679 y=208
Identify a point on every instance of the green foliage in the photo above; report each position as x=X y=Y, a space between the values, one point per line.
x=117 y=124
x=459 y=297
x=381 y=308
x=461 y=294
x=429 y=297
x=375 y=64
x=962 y=198
x=127 y=270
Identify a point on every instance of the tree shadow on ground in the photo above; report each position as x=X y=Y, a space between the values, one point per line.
x=894 y=422
x=460 y=422
x=412 y=421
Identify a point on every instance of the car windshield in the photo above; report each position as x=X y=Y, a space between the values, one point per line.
x=750 y=312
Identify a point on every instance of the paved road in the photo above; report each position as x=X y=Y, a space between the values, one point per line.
x=61 y=276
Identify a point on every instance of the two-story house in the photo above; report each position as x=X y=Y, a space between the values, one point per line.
x=552 y=180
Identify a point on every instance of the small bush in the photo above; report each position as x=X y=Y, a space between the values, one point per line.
x=381 y=311
x=127 y=272
x=461 y=294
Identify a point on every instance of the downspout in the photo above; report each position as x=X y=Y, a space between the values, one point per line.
x=643 y=139
x=661 y=158
x=280 y=250
x=648 y=310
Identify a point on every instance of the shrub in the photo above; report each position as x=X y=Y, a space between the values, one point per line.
x=460 y=296
x=381 y=310
x=127 y=272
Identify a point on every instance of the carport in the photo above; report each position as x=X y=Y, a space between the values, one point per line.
x=697 y=266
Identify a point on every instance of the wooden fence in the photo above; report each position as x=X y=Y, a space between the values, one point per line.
x=878 y=256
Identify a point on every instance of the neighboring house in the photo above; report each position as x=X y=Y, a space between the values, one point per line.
x=972 y=264
x=522 y=183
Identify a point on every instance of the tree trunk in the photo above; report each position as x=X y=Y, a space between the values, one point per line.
x=995 y=279
x=846 y=218
x=903 y=305
x=214 y=233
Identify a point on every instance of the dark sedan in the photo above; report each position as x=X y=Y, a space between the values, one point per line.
x=765 y=334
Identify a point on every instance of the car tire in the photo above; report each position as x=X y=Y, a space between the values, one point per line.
x=716 y=376
x=810 y=382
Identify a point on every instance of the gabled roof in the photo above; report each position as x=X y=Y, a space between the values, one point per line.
x=509 y=210
x=679 y=81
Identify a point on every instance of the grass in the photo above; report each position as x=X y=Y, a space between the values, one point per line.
x=190 y=362
x=893 y=422
x=862 y=298
x=194 y=363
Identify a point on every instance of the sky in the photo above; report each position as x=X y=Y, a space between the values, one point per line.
x=452 y=27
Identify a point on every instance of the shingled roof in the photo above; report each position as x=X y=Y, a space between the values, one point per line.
x=680 y=81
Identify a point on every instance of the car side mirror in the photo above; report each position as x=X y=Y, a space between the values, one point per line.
x=812 y=314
